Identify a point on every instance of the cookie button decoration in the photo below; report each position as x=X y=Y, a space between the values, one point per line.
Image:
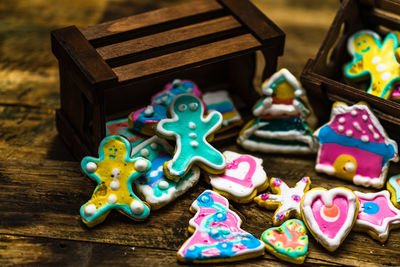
x=191 y=131
x=354 y=146
x=377 y=215
x=329 y=215
x=393 y=186
x=114 y=171
x=243 y=178
x=155 y=188
x=280 y=126
x=217 y=235
x=288 y=242
x=286 y=200
x=374 y=60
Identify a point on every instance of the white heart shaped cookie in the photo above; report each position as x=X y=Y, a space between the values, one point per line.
x=329 y=215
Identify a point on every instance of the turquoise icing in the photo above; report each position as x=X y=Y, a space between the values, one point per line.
x=328 y=135
x=396 y=186
x=284 y=124
x=158 y=157
x=135 y=175
x=191 y=142
x=281 y=142
x=278 y=81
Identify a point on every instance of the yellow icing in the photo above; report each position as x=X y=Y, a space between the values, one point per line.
x=340 y=166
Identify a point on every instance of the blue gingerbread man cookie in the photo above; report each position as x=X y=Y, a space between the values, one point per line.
x=191 y=131
x=114 y=171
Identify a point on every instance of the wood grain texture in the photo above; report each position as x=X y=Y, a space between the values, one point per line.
x=42 y=186
x=188 y=57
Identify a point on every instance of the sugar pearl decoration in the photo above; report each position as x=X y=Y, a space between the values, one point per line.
x=141 y=165
x=192 y=125
x=112 y=199
x=114 y=185
x=365 y=138
x=364 y=117
x=342 y=120
x=91 y=167
x=353 y=113
x=349 y=132
x=115 y=172
x=153 y=146
x=193 y=135
x=349 y=167
x=163 y=185
x=194 y=144
x=90 y=210
x=137 y=207
x=341 y=128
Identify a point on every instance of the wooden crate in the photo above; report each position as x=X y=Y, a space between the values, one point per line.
x=111 y=69
x=323 y=76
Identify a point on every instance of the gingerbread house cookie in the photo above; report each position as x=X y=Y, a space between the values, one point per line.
x=354 y=146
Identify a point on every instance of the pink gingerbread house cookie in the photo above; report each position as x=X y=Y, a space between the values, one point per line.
x=354 y=146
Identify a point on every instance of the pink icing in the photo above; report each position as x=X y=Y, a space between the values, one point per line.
x=277 y=182
x=330 y=229
x=200 y=238
x=304 y=179
x=296 y=198
x=248 y=177
x=377 y=218
x=348 y=124
x=368 y=164
x=264 y=196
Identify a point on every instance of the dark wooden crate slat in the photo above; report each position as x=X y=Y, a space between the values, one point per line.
x=390 y=5
x=70 y=43
x=150 y=18
x=185 y=58
x=377 y=17
x=262 y=27
x=50 y=194
x=170 y=37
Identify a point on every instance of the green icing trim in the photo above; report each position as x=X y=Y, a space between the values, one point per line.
x=395 y=186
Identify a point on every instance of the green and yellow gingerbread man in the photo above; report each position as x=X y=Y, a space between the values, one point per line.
x=114 y=171
x=375 y=60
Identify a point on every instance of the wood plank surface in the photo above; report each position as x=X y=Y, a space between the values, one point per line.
x=168 y=37
x=42 y=186
x=149 y=18
x=202 y=53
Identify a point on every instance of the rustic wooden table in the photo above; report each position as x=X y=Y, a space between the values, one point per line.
x=42 y=187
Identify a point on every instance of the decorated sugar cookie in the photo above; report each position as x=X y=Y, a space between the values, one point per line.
x=221 y=102
x=288 y=242
x=191 y=131
x=286 y=202
x=156 y=189
x=280 y=126
x=114 y=171
x=145 y=120
x=243 y=178
x=374 y=60
x=121 y=127
x=217 y=235
x=396 y=93
x=354 y=146
x=329 y=215
x=377 y=215
x=393 y=186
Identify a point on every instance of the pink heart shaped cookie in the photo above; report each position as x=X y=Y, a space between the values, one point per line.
x=329 y=215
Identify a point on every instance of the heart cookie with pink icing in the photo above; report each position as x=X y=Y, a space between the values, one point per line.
x=243 y=178
x=329 y=214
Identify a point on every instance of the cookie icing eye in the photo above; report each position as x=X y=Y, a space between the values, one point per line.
x=193 y=106
x=182 y=107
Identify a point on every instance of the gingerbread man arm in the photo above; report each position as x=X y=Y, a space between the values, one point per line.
x=168 y=127
x=390 y=44
x=355 y=68
x=213 y=119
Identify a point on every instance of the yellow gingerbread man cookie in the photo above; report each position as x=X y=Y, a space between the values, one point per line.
x=374 y=60
x=114 y=171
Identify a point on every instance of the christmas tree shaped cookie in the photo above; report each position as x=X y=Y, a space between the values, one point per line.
x=217 y=235
x=280 y=125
